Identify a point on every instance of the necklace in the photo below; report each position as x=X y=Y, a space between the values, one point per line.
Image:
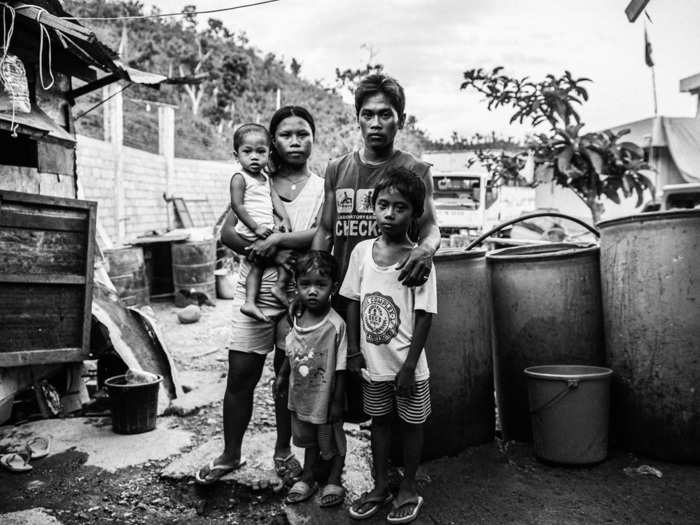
x=295 y=182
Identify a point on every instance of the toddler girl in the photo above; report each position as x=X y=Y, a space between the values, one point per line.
x=258 y=208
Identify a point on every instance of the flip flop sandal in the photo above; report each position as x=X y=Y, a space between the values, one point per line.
x=38 y=447
x=15 y=462
x=301 y=491
x=417 y=503
x=288 y=468
x=377 y=503
x=332 y=495
x=215 y=472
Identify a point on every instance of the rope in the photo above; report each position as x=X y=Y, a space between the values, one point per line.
x=162 y=15
x=101 y=102
x=6 y=39
x=42 y=31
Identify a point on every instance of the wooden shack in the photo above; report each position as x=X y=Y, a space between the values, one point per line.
x=47 y=236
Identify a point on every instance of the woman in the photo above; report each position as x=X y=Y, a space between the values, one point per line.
x=292 y=129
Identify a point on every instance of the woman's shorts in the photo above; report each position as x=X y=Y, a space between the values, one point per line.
x=252 y=336
x=329 y=438
x=379 y=399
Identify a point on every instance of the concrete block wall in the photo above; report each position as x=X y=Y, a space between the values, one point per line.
x=145 y=181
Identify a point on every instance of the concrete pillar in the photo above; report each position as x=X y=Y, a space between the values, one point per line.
x=114 y=133
x=166 y=147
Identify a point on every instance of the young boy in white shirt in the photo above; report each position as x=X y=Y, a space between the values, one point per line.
x=388 y=324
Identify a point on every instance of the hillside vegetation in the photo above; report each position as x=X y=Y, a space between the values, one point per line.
x=236 y=83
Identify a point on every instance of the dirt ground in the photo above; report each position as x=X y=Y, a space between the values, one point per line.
x=494 y=483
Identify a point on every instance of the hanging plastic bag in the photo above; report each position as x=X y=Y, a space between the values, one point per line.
x=14 y=89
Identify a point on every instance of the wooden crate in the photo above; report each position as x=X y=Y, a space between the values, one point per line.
x=47 y=249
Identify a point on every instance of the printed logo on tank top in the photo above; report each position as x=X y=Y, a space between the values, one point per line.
x=380 y=318
x=354 y=213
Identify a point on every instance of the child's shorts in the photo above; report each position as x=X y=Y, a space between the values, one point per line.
x=329 y=438
x=379 y=399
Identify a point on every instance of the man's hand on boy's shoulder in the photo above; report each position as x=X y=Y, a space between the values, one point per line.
x=417 y=266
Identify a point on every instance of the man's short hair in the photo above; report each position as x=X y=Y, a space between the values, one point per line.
x=323 y=262
x=407 y=183
x=379 y=83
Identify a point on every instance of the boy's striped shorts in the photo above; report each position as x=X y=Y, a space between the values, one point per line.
x=379 y=399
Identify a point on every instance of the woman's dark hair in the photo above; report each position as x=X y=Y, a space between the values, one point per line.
x=246 y=129
x=281 y=114
x=380 y=84
x=407 y=184
x=323 y=262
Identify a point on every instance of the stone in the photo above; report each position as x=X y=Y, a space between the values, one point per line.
x=189 y=314
x=35 y=516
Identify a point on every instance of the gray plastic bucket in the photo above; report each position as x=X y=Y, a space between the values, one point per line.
x=570 y=411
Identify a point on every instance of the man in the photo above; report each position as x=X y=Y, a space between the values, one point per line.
x=347 y=216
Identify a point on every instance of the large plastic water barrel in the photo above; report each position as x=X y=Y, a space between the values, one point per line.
x=194 y=263
x=459 y=356
x=650 y=266
x=127 y=271
x=546 y=311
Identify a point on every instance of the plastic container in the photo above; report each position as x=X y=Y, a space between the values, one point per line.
x=570 y=412
x=134 y=406
x=546 y=310
x=127 y=271
x=194 y=263
x=650 y=274
x=459 y=356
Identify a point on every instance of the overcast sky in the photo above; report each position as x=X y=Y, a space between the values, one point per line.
x=428 y=44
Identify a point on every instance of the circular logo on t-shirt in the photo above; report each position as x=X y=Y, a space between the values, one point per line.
x=380 y=318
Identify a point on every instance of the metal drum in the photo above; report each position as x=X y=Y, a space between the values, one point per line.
x=193 y=266
x=546 y=311
x=127 y=272
x=650 y=267
x=459 y=356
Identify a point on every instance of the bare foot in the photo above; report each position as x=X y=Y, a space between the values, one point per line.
x=252 y=310
x=280 y=294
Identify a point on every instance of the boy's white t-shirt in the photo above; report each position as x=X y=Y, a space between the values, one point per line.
x=387 y=312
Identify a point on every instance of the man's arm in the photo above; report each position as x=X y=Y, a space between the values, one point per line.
x=323 y=240
x=416 y=268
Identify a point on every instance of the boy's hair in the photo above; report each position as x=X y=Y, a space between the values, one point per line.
x=323 y=262
x=247 y=129
x=407 y=184
x=384 y=84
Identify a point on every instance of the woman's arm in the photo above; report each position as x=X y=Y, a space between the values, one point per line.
x=279 y=210
x=300 y=240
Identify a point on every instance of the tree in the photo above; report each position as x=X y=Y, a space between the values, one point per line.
x=295 y=67
x=590 y=164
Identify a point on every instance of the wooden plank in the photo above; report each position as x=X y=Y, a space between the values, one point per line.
x=23 y=251
x=36 y=316
x=10 y=219
x=89 y=281
x=41 y=278
x=59 y=202
x=42 y=356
